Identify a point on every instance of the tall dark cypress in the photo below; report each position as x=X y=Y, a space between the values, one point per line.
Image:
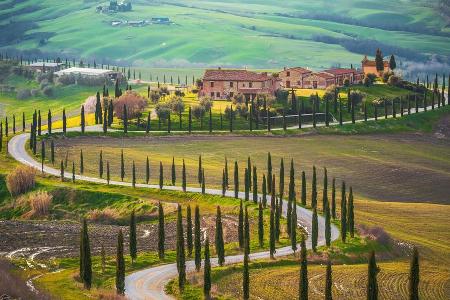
x=246 y=185
x=260 y=225
x=315 y=230
x=183 y=177
x=108 y=173
x=226 y=173
x=173 y=172
x=351 y=214
x=181 y=256
x=42 y=155
x=62 y=171
x=161 y=231
x=273 y=196
x=291 y=196
x=122 y=166
x=328 y=282
x=81 y=162
x=49 y=122
x=148 y=126
x=246 y=232
x=249 y=172
x=272 y=233
x=343 y=213
x=241 y=226
x=264 y=191
x=255 y=185
x=197 y=240
x=277 y=219
x=207 y=272
x=281 y=180
x=39 y=124
x=133 y=238
x=327 y=224
x=23 y=122
x=203 y=182
x=220 y=250
x=333 y=198
x=293 y=224
x=325 y=188
x=189 y=241
x=303 y=282
x=52 y=151
x=236 y=180
x=85 y=257
x=133 y=175
x=199 y=172
x=314 y=189
x=303 y=188
x=82 y=120
x=224 y=186
x=269 y=173
x=414 y=276
x=98 y=108
x=120 y=266
x=372 y=284
x=161 y=175
x=246 y=275
x=147 y=171
x=100 y=164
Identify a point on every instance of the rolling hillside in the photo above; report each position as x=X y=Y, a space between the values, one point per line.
x=253 y=33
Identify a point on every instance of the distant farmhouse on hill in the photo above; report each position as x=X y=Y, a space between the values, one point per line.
x=114 y=7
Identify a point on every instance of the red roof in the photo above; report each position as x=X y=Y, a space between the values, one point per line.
x=234 y=75
x=340 y=71
x=299 y=69
x=323 y=75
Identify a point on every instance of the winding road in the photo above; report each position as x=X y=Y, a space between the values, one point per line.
x=150 y=283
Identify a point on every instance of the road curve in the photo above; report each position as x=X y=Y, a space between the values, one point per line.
x=150 y=283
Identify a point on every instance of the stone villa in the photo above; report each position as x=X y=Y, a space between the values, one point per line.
x=225 y=83
x=369 y=66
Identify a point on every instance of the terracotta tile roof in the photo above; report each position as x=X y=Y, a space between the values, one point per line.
x=234 y=75
x=323 y=75
x=299 y=69
x=340 y=71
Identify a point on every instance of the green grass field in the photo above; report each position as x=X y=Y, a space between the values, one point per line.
x=258 y=34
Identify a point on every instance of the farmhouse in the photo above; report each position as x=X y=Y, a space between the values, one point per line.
x=369 y=66
x=318 y=80
x=113 y=75
x=341 y=74
x=293 y=77
x=41 y=66
x=224 y=84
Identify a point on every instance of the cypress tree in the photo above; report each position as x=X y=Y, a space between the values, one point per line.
x=120 y=266
x=161 y=231
x=246 y=275
x=183 y=176
x=414 y=276
x=105 y=121
x=83 y=120
x=272 y=232
x=133 y=239
x=173 y=173
x=246 y=232
x=181 y=259
x=219 y=238
x=241 y=226
x=303 y=282
x=343 y=213
x=203 y=182
x=100 y=164
x=52 y=151
x=122 y=166
x=281 y=180
x=372 y=284
x=197 y=241
x=315 y=229
x=207 y=272
x=62 y=171
x=73 y=171
x=161 y=175
x=97 y=108
x=277 y=219
x=325 y=188
x=49 y=122
x=224 y=187
x=110 y=113
x=260 y=225
x=246 y=185
x=199 y=173
x=108 y=173
x=210 y=121
x=189 y=240
x=23 y=122
x=236 y=180
x=385 y=109
x=291 y=196
x=264 y=191
x=327 y=224
x=148 y=127
x=272 y=196
x=85 y=257
x=42 y=155
x=169 y=123
x=226 y=173
x=293 y=224
x=328 y=282
x=268 y=119
x=125 y=119
x=147 y=171
x=39 y=124
x=249 y=172
x=255 y=185
x=81 y=161
x=314 y=189
x=351 y=215
x=269 y=173
x=303 y=188
x=333 y=198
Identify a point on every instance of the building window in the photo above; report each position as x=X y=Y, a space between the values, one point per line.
x=211 y=84
x=231 y=84
x=288 y=73
x=231 y=94
x=218 y=94
x=212 y=94
x=250 y=84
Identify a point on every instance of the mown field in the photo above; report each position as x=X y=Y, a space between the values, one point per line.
x=268 y=33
